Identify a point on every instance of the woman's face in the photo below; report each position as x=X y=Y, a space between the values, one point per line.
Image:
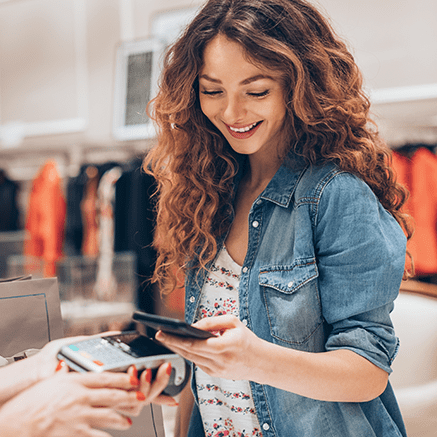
x=245 y=102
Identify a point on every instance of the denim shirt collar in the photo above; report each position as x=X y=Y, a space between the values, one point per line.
x=281 y=188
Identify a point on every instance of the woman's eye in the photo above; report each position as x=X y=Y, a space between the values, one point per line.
x=262 y=94
x=210 y=93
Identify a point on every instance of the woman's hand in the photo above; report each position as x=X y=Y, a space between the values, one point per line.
x=227 y=356
x=81 y=404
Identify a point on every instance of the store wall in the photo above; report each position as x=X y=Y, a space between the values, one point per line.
x=58 y=63
x=57 y=67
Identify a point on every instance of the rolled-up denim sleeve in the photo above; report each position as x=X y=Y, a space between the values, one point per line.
x=360 y=251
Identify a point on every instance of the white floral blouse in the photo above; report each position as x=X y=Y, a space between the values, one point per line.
x=226 y=406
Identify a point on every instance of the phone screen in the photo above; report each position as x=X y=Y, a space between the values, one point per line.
x=137 y=345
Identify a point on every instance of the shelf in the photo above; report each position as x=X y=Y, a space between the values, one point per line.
x=418 y=287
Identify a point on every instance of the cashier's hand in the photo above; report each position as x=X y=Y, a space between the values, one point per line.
x=151 y=390
x=226 y=356
x=79 y=404
x=21 y=375
x=148 y=390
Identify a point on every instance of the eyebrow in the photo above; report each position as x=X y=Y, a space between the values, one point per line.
x=243 y=82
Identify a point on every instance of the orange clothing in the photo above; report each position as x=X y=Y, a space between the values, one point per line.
x=419 y=175
x=45 y=220
x=88 y=209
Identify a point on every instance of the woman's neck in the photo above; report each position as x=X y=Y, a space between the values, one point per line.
x=259 y=173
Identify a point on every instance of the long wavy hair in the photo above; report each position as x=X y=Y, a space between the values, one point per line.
x=327 y=118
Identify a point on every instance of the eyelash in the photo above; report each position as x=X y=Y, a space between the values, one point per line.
x=215 y=93
x=262 y=94
x=210 y=93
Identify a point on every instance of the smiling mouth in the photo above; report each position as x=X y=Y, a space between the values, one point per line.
x=244 y=132
x=244 y=129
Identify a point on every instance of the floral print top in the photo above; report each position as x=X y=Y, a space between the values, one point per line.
x=226 y=406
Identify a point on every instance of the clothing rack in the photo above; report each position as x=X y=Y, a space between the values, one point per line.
x=22 y=163
x=409 y=149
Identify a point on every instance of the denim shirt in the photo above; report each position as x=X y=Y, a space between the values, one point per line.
x=323 y=266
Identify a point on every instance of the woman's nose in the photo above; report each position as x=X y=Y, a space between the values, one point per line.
x=234 y=110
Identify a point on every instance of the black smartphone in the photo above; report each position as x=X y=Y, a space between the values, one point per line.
x=170 y=325
x=116 y=353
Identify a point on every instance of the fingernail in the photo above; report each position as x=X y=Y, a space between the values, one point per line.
x=134 y=377
x=168 y=369
x=60 y=365
x=129 y=420
x=149 y=376
x=141 y=396
x=134 y=380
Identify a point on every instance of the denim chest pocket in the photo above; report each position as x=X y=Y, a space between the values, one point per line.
x=292 y=301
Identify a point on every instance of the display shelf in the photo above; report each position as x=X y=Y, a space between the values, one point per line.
x=418 y=287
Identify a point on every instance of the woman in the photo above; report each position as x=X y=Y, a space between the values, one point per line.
x=277 y=203
x=40 y=398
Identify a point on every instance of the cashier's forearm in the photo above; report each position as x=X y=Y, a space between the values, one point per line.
x=16 y=377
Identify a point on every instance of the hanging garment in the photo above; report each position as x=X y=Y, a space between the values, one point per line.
x=419 y=175
x=106 y=283
x=134 y=226
x=73 y=223
x=74 y=227
x=88 y=208
x=46 y=218
x=9 y=217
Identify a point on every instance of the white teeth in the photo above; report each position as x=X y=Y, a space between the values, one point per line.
x=243 y=129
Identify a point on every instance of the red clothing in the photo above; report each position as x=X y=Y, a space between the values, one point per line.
x=419 y=175
x=45 y=220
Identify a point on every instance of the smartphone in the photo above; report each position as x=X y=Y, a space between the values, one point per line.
x=170 y=326
x=116 y=353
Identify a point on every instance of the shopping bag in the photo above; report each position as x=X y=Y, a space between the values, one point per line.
x=30 y=314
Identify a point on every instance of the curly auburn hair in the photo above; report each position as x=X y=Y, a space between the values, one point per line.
x=327 y=118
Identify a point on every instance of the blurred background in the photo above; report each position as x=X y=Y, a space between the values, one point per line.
x=75 y=78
